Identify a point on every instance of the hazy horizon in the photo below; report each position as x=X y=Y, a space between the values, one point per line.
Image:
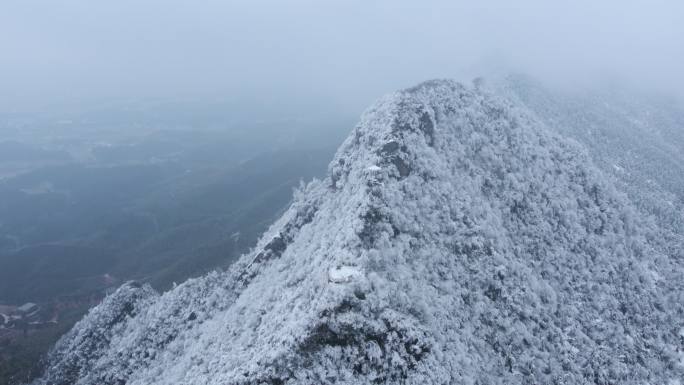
x=337 y=55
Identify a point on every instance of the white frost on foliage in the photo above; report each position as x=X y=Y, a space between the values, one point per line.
x=487 y=249
x=343 y=274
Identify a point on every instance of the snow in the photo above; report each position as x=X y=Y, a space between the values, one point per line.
x=484 y=255
x=343 y=274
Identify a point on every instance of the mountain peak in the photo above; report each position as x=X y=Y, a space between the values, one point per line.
x=456 y=240
x=402 y=125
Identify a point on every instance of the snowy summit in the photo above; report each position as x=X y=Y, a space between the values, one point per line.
x=480 y=247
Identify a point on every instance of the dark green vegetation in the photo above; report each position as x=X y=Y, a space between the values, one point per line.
x=11 y=151
x=20 y=357
x=84 y=211
x=155 y=222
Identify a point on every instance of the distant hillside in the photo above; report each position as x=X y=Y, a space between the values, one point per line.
x=169 y=210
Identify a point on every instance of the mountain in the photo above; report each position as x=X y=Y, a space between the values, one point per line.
x=458 y=238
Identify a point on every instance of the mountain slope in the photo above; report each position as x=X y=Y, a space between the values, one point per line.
x=636 y=139
x=455 y=240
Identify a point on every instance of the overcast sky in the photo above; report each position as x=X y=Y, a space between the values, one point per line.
x=346 y=53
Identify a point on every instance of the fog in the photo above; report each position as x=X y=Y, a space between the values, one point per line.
x=335 y=54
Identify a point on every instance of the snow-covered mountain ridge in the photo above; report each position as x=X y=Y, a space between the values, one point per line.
x=456 y=240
